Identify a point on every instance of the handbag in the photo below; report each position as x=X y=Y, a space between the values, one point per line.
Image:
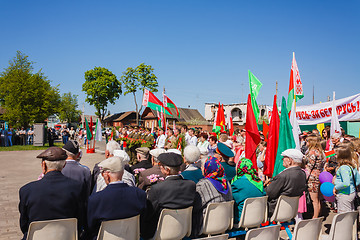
x=357 y=198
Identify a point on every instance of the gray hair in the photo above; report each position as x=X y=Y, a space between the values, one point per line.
x=111 y=146
x=336 y=135
x=73 y=156
x=191 y=153
x=56 y=165
x=173 y=170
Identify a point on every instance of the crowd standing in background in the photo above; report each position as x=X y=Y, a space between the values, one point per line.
x=181 y=167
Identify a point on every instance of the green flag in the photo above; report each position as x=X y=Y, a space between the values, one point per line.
x=88 y=132
x=255 y=86
x=286 y=139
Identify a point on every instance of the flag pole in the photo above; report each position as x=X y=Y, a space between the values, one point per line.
x=164 y=109
x=294 y=83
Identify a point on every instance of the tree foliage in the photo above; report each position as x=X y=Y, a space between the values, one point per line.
x=138 y=79
x=101 y=87
x=68 y=109
x=26 y=96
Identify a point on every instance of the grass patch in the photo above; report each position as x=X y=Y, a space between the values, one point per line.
x=29 y=147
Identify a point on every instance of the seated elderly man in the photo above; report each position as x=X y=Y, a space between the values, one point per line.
x=117 y=200
x=173 y=193
x=73 y=169
x=54 y=196
x=113 y=149
x=142 y=156
x=192 y=172
x=290 y=182
x=152 y=175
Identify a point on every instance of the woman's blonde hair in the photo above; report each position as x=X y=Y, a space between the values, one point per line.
x=344 y=155
x=314 y=143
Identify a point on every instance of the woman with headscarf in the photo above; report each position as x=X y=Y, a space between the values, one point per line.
x=213 y=188
x=246 y=184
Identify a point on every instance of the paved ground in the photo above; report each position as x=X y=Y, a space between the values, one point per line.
x=21 y=167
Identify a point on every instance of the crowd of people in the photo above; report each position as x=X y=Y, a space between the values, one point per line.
x=19 y=136
x=208 y=168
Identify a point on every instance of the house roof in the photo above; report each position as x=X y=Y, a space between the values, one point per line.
x=123 y=116
x=112 y=117
x=186 y=115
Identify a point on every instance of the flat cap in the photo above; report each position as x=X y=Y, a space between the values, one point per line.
x=112 y=164
x=294 y=154
x=170 y=159
x=53 y=154
x=174 y=150
x=156 y=152
x=143 y=150
x=123 y=155
x=224 y=150
x=71 y=146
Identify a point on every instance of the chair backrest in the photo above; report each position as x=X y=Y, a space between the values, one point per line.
x=122 y=229
x=268 y=233
x=343 y=226
x=286 y=209
x=308 y=229
x=218 y=217
x=53 y=229
x=254 y=212
x=174 y=224
x=217 y=237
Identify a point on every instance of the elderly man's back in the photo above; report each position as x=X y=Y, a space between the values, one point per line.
x=53 y=197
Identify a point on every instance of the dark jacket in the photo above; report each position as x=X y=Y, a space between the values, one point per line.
x=116 y=201
x=149 y=177
x=145 y=164
x=79 y=173
x=173 y=193
x=290 y=182
x=53 y=197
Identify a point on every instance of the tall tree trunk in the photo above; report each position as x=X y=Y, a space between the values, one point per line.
x=137 y=113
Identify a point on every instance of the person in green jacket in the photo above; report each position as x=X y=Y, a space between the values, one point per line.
x=246 y=184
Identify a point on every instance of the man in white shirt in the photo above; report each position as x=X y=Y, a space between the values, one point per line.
x=160 y=141
x=184 y=130
x=193 y=139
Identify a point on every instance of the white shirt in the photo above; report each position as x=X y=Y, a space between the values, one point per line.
x=160 y=141
x=193 y=140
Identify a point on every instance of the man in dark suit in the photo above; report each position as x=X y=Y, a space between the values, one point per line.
x=117 y=200
x=152 y=175
x=142 y=155
x=173 y=193
x=73 y=169
x=54 y=196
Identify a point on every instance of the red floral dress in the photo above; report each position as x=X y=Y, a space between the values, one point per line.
x=315 y=159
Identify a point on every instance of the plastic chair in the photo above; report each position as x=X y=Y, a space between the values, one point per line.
x=343 y=227
x=218 y=218
x=268 y=233
x=217 y=237
x=174 y=224
x=308 y=229
x=254 y=212
x=58 y=229
x=286 y=209
x=122 y=229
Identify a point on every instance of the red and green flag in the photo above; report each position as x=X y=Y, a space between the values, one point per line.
x=330 y=153
x=88 y=132
x=252 y=134
x=219 y=125
x=286 y=138
x=152 y=102
x=170 y=104
x=295 y=86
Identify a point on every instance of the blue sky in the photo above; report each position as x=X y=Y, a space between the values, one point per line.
x=201 y=50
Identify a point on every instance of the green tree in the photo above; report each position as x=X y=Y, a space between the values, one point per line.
x=68 y=108
x=138 y=79
x=27 y=97
x=101 y=87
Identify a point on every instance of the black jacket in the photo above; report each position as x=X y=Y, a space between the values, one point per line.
x=53 y=197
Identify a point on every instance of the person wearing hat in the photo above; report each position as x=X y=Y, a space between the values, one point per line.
x=142 y=156
x=172 y=193
x=224 y=153
x=192 y=172
x=117 y=200
x=150 y=176
x=52 y=197
x=73 y=169
x=149 y=138
x=290 y=182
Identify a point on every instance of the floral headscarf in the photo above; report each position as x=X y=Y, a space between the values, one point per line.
x=245 y=168
x=216 y=174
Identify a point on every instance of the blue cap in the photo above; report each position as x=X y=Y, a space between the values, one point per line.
x=224 y=150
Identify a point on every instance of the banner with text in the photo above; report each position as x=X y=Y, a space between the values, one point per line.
x=347 y=109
